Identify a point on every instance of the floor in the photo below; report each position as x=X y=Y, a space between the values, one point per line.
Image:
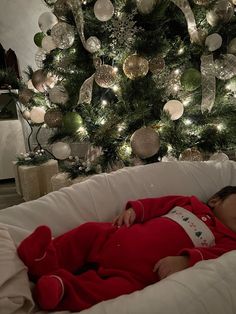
x=8 y=194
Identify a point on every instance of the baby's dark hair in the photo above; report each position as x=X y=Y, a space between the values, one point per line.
x=225 y=192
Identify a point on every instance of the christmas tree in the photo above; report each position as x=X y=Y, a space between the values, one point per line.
x=140 y=80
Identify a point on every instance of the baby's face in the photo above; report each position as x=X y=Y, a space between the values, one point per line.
x=225 y=210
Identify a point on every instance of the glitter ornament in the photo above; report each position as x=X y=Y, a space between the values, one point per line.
x=135 y=67
x=48 y=44
x=191 y=79
x=71 y=122
x=145 y=6
x=225 y=67
x=46 y=21
x=219 y=157
x=232 y=47
x=25 y=95
x=191 y=154
x=63 y=35
x=37 y=115
x=39 y=58
x=38 y=80
x=58 y=95
x=61 y=9
x=61 y=150
x=93 y=44
x=103 y=10
x=105 y=76
x=38 y=37
x=53 y=118
x=222 y=12
x=174 y=108
x=213 y=42
x=157 y=65
x=145 y=142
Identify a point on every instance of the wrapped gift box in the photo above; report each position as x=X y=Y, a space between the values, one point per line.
x=34 y=181
x=61 y=180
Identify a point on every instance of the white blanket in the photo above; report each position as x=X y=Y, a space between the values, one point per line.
x=209 y=287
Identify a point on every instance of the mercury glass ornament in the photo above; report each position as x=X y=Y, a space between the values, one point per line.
x=105 y=76
x=174 y=108
x=225 y=67
x=157 y=65
x=40 y=56
x=46 y=21
x=213 y=42
x=53 y=118
x=25 y=95
x=103 y=10
x=191 y=154
x=38 y=80
x=61 y=150
x=48 y=44
x=222 y=12
x=145 y=142
x=61 y=9
x=37 y=115
x=135 y=66
x=232 y=46
x=93 y=44
x=145 y=6
x=63 y=35
x=58 y=95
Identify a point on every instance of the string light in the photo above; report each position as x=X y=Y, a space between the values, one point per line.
x=187 y=122
x=220 y=127
x=181 y=51
x=115 y=88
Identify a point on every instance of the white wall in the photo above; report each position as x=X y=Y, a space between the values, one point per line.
x=18 y=25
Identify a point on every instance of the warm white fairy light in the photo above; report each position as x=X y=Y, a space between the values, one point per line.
x=104 y=102
x=115 y=88
x=186 y=101
x=188 y=121
x=115 y=69
x=169 y=148
x=102 y=121
x=177 y=71
x=82 y=130
x=220 y=127
x=181 y=51
x=176 y=87
x=121 y=127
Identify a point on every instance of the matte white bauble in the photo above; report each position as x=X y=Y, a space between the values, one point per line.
x=213 y=42
x=37 y=114
x=145 y=6
x=61 y=150
x=174 y=108
x=103 y=10
x=232 y=46
x=219 y=157
x=46 y=21
x=48 y=44
x=93 y=44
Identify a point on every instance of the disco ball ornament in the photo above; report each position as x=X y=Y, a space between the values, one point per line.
x=145 y=142
x=105 y=76
x=71 y=122
x=61 y=150
x=61 y=9
x=58 y=95
x=38 y=37
x=145 y=6
x=25 y=96
x=191 y=79
x=222 y=12
x=232 y=47
x=157 y=65
x=103 y=10
x=37 y=115
x=213 y=42
x=53 y=118
x=48 y=44
x=174 y=108
x=219 y=157
x=38 y=80
x=225 y=67
x=46 y=21
x=135 y=67
x=39 y=58
x=93 y=44
x=63 y=35
x=191 y=154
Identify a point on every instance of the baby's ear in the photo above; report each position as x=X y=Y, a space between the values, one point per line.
x=213 y=201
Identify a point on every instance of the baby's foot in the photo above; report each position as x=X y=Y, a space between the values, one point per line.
x=37 y=252
x=48 y=292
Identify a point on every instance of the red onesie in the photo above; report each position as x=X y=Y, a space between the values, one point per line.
x=124 y=257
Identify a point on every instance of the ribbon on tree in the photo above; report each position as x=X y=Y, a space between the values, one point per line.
x=189 y=16
x=208 y=82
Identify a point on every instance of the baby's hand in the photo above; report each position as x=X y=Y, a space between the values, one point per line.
x=171 y=264
x=127 y=218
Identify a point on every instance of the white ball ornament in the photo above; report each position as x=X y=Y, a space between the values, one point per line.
x=37 y=114
x=232 y=46
x=174 y=108
x=213 y=42
x=219 y=157
x=61 y=150
x=93 y=44
x=103 y=10
x=46 y=21
x=145 y=6
x=48 y=44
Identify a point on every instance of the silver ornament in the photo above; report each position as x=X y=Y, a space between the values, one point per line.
x=46 y=21
x=58 y=94
x=63 y=35
x=222 y=12
x=105 y=76
x=213 y=42
x=225 y=67
x=232 y=46
x=93 y=44
x=103 y=10
x=48 y=44
x=145 y=142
